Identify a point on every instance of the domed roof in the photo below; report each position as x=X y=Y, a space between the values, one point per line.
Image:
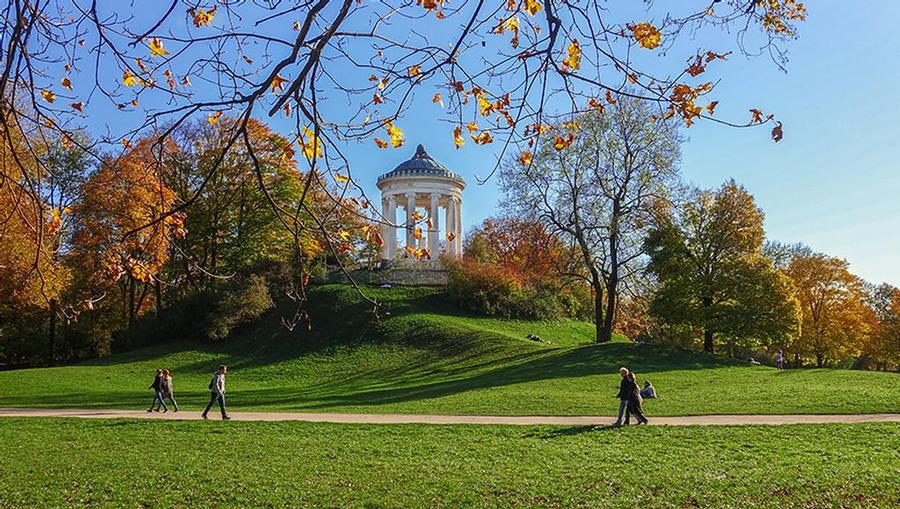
x=421 y=165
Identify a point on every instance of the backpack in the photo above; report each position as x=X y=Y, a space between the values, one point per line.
x=212 y=383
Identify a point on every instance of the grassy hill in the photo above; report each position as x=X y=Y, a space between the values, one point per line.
x=421 y=357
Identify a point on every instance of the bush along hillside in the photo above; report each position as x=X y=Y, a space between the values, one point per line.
x=421 y=356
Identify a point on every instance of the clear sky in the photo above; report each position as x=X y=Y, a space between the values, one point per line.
x=832 y=183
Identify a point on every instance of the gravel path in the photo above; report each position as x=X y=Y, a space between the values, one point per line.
x=449 y=419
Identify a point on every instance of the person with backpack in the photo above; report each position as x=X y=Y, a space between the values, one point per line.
x=635 y=403
x=622 y=396
x=157 y=392
x=217 y=392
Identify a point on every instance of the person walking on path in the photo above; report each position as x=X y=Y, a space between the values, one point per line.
x=779 y=360
x=157 y=392
x=635 y=403
x=166 y=390
x=217 y=392
x=622 y=395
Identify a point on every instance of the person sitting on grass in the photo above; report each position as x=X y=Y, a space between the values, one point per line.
x=157 y=392
x=217 y=392
x=648 y=392
x=166 y=389
x=635 y=403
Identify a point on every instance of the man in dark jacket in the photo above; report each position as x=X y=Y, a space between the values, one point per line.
x=623 y=395
x=157 y=393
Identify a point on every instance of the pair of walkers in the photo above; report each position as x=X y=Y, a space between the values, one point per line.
x=630 y=400
x=162 y=387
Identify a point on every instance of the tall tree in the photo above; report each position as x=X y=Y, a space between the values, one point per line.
x=833 y=307
x=706 y=253
x=598 y=194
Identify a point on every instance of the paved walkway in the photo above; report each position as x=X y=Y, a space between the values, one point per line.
x=449 y=419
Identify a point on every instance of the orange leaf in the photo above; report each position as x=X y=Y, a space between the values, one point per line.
x=278 y=84
x=78 y=107
x=525 y=158
x=646 y=35
x=483 y=139
x=66 y=83
x=381 y=143
x=48 y=95
x=203 y=18
x=711 y=107
x=377 y=99
x=414 y=70
x=458 y=140
x=609 y=97
x=156 y=47
x=437 y=99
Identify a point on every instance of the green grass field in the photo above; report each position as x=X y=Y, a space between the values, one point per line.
x=422 y=357
x=122 y=463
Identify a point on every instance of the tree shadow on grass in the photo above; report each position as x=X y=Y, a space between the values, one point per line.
x=574 y=430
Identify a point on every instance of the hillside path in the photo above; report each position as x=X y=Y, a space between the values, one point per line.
x=587 y=420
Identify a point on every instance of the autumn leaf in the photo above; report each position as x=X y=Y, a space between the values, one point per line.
x=203 y=18
x=471 y=127
x=381 y=143
x=525 y=158
x=377 y=99
x=437 y=99
x=532 y=7
x=595 y=104
x=278 y=84
x=341 y=179
x=213 y=118
x=125 y=143
x=395 y=134
x=310 y=144
x=414 y=70
x=128 y=79
x=48 y=95
x=632 y=79
x=156 y=47
x=563 y=142
x=79 y=107
x=609 y=97
x=458 y=139
x=777 y=132
x=417 y=233
x=247 y=59
x=485 y=106
x=287 y=109
x=511 y=24
x=140 y=63
x=646 y=35
x=169 y=79
x=66 y=83
x=483 y=139
x=757 y=116
x=451 y=236
x=573 y=61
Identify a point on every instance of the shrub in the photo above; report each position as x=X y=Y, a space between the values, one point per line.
x=248 y=299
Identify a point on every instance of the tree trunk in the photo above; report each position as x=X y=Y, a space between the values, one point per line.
x=609 y=318
x=708 y=343
x=820 y=360
x=158 y=290
x=51 y=336
x=598 y=310
x=130 y=301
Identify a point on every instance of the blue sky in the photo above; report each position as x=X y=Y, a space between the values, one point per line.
x=832 y=183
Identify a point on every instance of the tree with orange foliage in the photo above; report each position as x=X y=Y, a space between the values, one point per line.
x=832 y=302
x=110 y=243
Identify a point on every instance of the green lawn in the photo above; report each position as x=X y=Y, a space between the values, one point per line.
x=123 y=463
x=422 y=357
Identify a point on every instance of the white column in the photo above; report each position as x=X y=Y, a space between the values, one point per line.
x=451 y=227
x=458 y=224
x=434 y=235
x=410 y=223
x=383 y=230
x=391 y=239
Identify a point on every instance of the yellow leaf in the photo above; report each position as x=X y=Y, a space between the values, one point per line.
x=381 y=143
x=310 y=144
x=417 y=233
x=573 y=61
x=532 y=7
x=646 y=35
x=483 y=139
x=213 y=118
x=128 y=79
x=48 y=95
x=525 y=158
x=485 y=106
x=66 y=83
x=414 y=70
x=204 y=18
x=156 y=47
x=395 y=134
x=341 y=179
x=458 y=140
x=278 y=84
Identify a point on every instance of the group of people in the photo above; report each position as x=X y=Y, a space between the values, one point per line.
x=162 y=390
x=631 y=398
